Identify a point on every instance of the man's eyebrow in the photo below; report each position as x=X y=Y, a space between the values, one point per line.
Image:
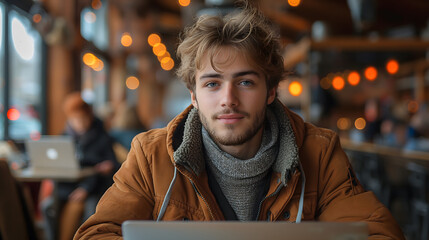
x=244 y=73
x=211 y=75
x=235 y=75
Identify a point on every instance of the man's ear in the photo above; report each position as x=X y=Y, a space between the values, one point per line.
x=194 y=99
x=271 y=95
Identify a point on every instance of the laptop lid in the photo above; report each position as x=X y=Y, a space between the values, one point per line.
x=227 y=230
x=52 y=152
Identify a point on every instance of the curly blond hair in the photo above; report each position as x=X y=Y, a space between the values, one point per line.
x=246 y=30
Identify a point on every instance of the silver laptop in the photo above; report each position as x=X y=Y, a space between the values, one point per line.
x=169 y=230
x=53 y=157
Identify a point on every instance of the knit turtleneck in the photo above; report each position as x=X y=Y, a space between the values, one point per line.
x=237 y=178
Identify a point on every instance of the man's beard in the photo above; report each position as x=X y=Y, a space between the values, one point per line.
x=234 y=139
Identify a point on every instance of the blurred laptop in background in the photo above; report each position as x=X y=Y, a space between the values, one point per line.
x=53 y=157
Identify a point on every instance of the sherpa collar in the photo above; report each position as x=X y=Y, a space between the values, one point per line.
x=190 y=152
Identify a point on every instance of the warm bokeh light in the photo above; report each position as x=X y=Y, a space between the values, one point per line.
x=35 y=135
x=159 y=49
x=96 y=4
x=371 y=73
x=132 y=82
x=89 y=59
x=153 y=39
x=344 y=123
x=13 y=114
x=167 y=63
x=98 y=66
x=360 y=123
x=294 y=3
x=325 y=83
x=90 y=17
x=338 y=83
x=184 y=3
x=413 y=106
x=392 y=66
x=126 y=40
x=353 y=78
x=37 y=18
x=295 y=88
x=166 y=54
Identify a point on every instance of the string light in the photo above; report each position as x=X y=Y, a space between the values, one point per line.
x=89 y=59
x=126 y=40
x=294 y=3
x=353 y=78
x=167 y=63
x=98 y=66
x=392 y=66
x=153 y=39
x=96 y=4
x=360 y=123
x=37 y=18
x=132 y=83
x=159 y=49
x=13 y=114
x=338 y=83
x=295 y=88
x=371 y=73
x=184 y=3
x=343 y=123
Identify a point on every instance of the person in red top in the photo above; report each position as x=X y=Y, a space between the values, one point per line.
x=236 y=153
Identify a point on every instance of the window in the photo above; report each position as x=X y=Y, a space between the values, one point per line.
x=2 y=81
x=95 y=67
x=22 y=88
x=93 y=25
x=94 y=77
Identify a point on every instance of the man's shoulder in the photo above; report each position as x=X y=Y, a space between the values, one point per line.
x=150 y=137
x=320 y=136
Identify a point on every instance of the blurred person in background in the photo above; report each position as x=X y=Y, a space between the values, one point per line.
x=125 y=125
x=73 y=202
x=419 y=131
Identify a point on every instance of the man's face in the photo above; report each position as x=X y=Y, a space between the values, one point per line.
x=231 y=101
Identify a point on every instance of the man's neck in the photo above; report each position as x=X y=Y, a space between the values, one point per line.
x=246 y=150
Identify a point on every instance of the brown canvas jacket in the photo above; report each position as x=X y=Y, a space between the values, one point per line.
x=332 y=193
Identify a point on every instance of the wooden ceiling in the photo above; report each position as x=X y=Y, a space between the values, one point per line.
x=379 y=16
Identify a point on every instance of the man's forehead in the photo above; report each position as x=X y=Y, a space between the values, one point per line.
x=220 y=58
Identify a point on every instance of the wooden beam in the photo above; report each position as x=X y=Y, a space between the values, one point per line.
x=365 y=44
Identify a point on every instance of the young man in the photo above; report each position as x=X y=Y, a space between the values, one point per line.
x=236 y=153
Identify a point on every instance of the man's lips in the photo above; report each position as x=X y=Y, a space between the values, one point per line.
x=230 y=118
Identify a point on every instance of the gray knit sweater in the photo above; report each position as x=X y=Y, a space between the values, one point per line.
x=242 y=181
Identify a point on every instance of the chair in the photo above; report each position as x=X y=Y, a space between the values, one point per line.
x=16 y=220
x=418 y=182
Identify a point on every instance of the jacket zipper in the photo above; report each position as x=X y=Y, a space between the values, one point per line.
x=196 y=191
x=199 y=194
x=272 y=194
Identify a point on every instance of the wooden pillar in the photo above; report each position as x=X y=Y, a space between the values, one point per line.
x=63 y=74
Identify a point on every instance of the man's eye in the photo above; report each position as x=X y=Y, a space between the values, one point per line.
x=246 y=83
x=211 y=84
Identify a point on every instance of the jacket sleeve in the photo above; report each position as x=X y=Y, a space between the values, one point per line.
x=130 y=197
x=342 y=198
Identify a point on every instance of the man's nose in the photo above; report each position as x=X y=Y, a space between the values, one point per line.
x=229 y=96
